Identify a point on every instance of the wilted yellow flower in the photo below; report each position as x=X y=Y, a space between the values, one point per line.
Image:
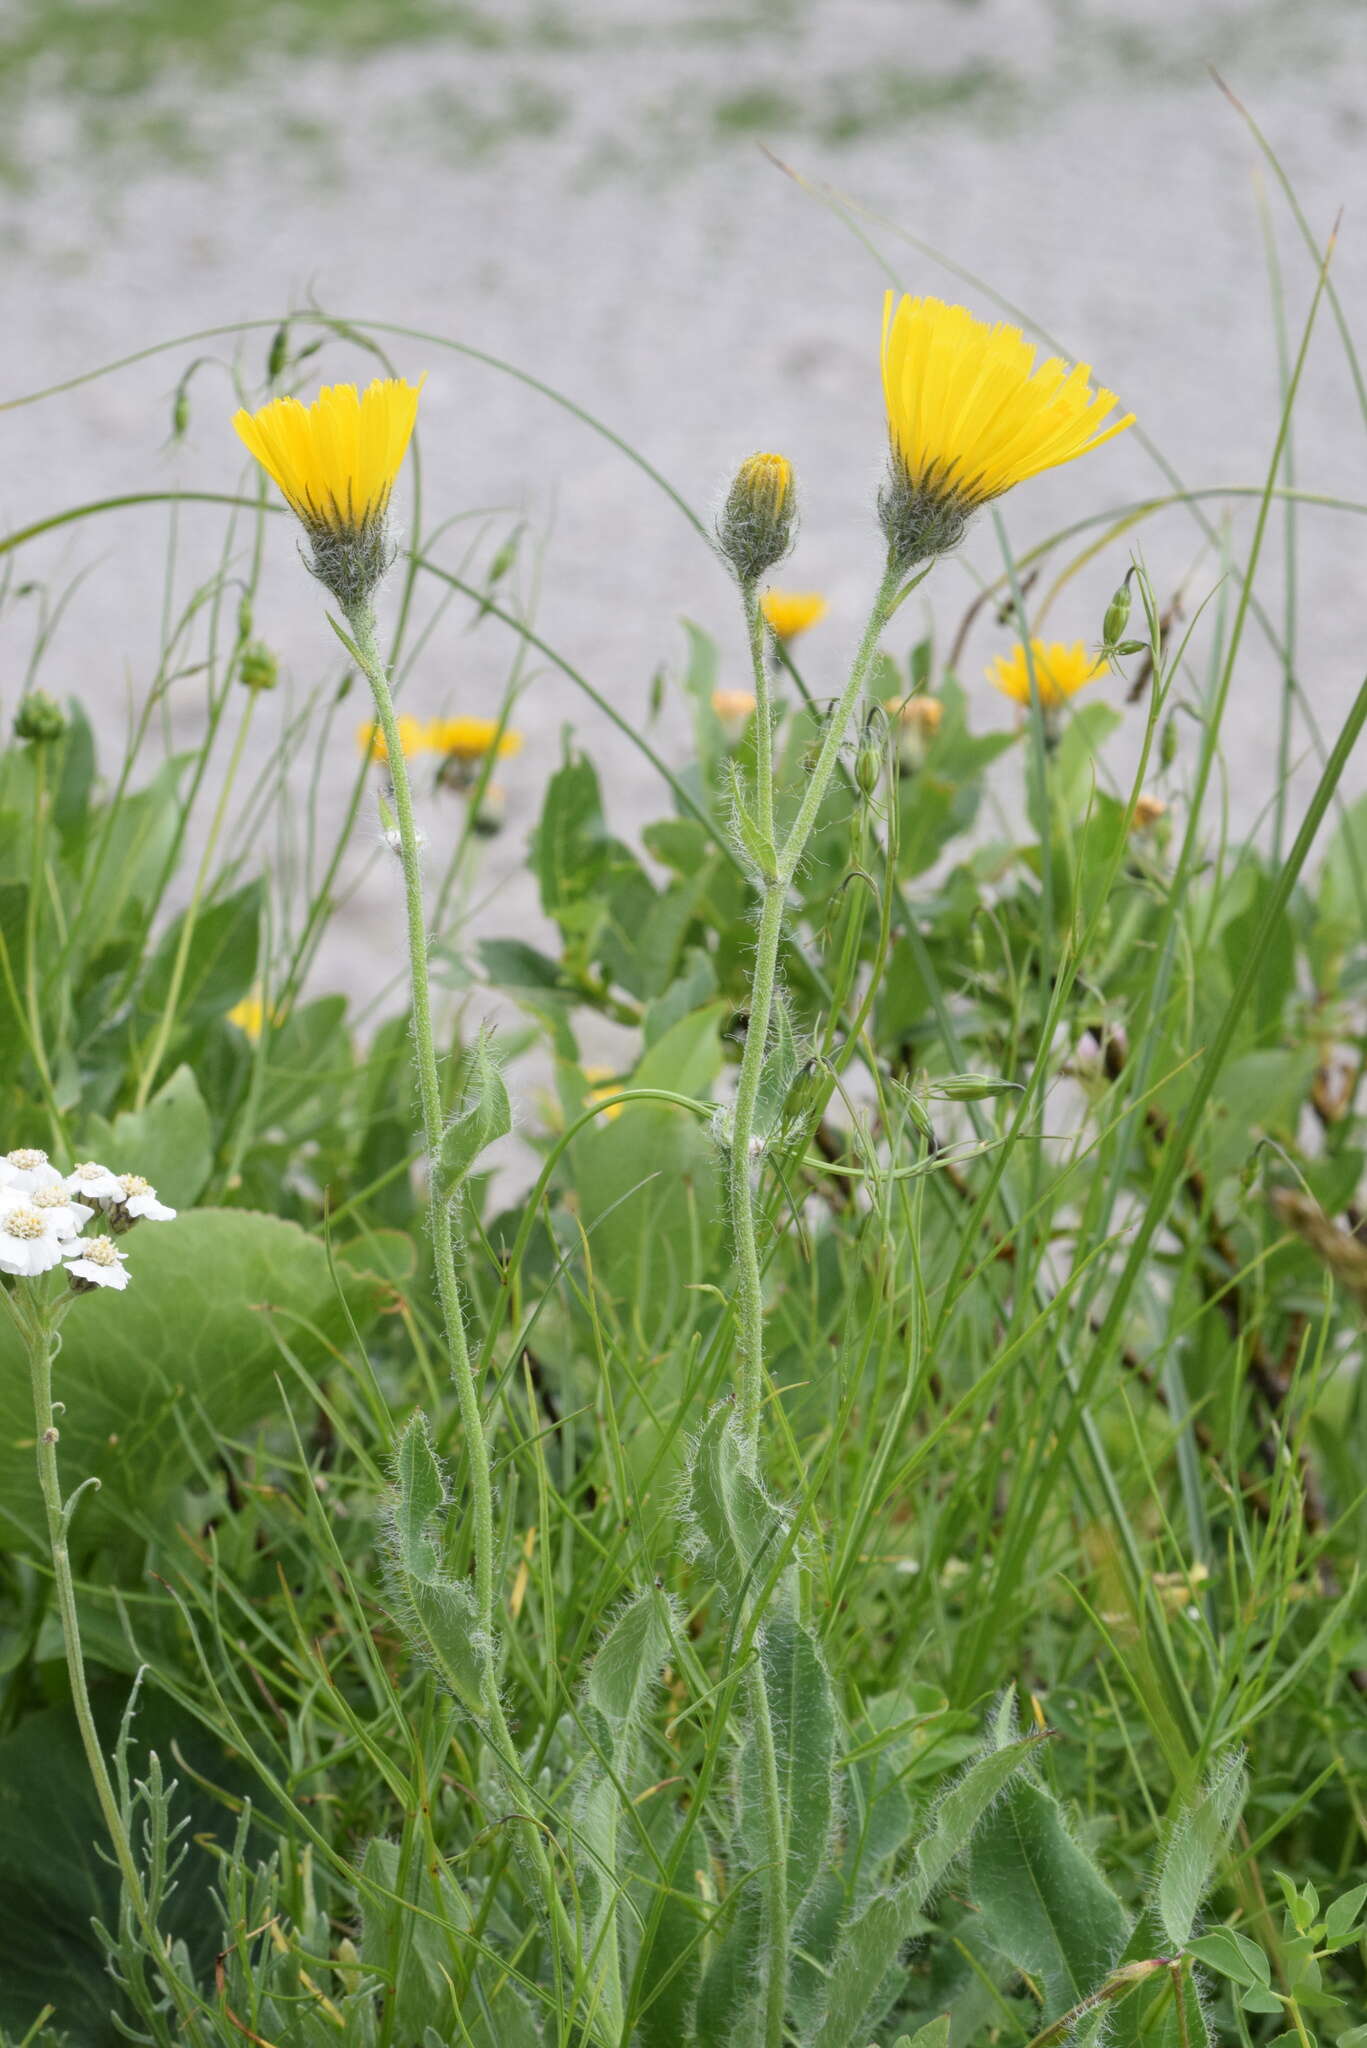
x=1060 y=672
x=412 y=738
x=1148 y=810
x=915 y=721
x=759 y=517
x=734 y=709
x=607 y=1084
x=470 y=739
x=969 y=415
x=335 y=462
x=791 y=612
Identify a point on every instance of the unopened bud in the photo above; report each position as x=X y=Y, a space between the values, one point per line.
x=180 y=413
x=275 y=361
x=39 y=717
x=868 y=766
x=245 y=616
x=1148 y=810
x=759 y=519
x=1117 y=615
x=1167 y=744
x=258 y=669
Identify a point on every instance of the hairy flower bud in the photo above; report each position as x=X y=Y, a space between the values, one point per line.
x=39 y=717
x=758 y=523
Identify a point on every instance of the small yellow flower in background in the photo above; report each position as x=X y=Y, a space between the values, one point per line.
x=759 y=519
x=1148 y=812
x=250 y=1016
x=605 y=1084
x=335 y=462
x=915 y=720
x=1060 y=672
x=734 y=709
x=790 y=612
x=470 y=739
x=969 y=415
x=412 y=738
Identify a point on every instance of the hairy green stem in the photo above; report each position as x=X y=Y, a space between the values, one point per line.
x=741 y=1187
x=361 y=619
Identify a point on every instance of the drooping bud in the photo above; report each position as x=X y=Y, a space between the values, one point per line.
x=868 y=765
x=258 y=669
x=758 y=523
x=39 y=717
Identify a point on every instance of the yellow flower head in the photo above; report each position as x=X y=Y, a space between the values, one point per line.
x=470 y=739
x=759 y=518
x=969 y=415
x=1060 y=672
x=604 y=1085
x=335 y=462
x=790 y=612
x=412 y=738
x=734 y=709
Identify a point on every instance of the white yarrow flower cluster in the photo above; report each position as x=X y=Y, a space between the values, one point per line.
x=43 y=1212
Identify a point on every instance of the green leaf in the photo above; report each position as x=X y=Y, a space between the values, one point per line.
x=872 y=1942
x=170 y=1142
x=1341 y=1917
x=154 y=1377
x=934 y=2034
x=220 y=960
x=738 y=1529
x=1194 y=1846
x=436 y=1611
x=803 y=1712
x=1232 y=1955
x=617 y=1692
x=1043 y=1903
x=571 y=848
x=484 y=1115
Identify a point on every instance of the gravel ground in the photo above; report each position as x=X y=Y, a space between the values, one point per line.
x=588 y=199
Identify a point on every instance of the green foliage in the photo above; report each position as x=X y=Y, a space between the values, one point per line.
x=1057 y=1191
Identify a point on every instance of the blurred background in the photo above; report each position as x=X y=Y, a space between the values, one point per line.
x=590 y=193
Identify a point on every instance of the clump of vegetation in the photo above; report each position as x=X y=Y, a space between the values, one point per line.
x=856 y=1539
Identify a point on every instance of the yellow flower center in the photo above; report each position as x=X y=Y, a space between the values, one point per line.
x=26 y=1224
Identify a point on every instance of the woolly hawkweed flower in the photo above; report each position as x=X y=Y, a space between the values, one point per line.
x=413 y=738
x=336 y=462
x=969 y=415
x=95 y=1262
x=734 y=709
x=1060 y=672
x=790 y=612
x=470 y=739
x=758 y=522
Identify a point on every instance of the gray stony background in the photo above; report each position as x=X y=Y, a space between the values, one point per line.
x=582 y=191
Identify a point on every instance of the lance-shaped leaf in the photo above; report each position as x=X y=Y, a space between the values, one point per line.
x=436 y=1611
x=872 y=1942
x=484 y=1115
x=737 y=1529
